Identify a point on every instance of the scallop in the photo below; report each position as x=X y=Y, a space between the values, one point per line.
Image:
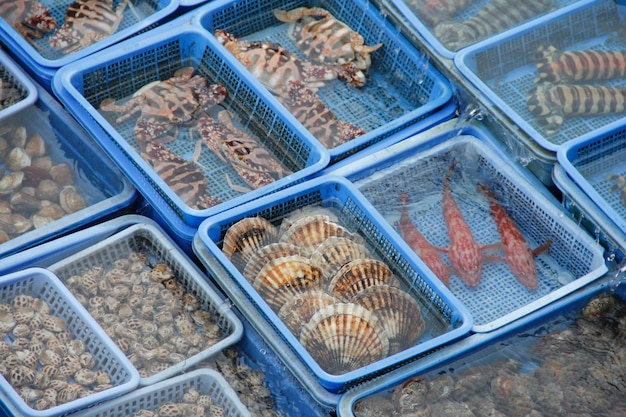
x=283 y=278
x=306 y=211
x=267 y=253
x=399 y=313
x=335 y=252
x=297 y=312
x=357 y=275
x=311 y=231
x=343 y=337
x=245 y=237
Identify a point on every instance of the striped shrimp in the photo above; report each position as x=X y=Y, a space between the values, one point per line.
x=575 y=66
x=496 y=16
x=549 y=104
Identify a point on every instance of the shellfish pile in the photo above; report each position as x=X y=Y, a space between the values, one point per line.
x=345 y=307
x=575 y=371
x=9 y=94
x=147 y=312
x=34 y=190
x=192 y=404
x=40 y=357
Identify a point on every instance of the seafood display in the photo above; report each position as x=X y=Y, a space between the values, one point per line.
x=432 y=12
x=146 y=311
x=494 y=17
x=9 y=94
x=345 y=307
x=556 y=66
x=34 y=189
x=571 y=370
x=40 y=357
x=192 y=403
x=30 y=18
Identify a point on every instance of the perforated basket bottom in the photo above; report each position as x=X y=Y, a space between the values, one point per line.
x=498 y=293
x=136 y=11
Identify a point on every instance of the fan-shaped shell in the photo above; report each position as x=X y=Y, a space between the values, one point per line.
x=357 y=275
x=297 y=312
x=399 y=313
x=335 y=252
x=283 y=278
x=343 y=337
x=245 y=237
x=310 y=231
x=264 y=255
x=306 y=211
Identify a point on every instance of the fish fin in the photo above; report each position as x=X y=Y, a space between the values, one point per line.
x=543 y=248
x=495 y=247
x=493 y=259
x=440 y=249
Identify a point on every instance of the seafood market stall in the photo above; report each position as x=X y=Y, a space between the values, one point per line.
x=312 y=207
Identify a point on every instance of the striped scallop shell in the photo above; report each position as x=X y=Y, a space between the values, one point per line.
x=357 y=275
x=335 y=252
x=343 y=337
x=399 y=313
x=311 y=231
x=261 y=257
x=245 y=237
x=297 y=312
x=306 y=211
x=283 y=278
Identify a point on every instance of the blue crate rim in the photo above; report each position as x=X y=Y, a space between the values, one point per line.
x=87 y=320
x=440 y=82
x=20 y=76
x=463 y=55
x=106 y=134
x=461 y=315
x=20 y=46
x=222 y=305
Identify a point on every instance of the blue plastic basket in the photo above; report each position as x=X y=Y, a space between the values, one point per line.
x=43 y=284
x=159 y=249
x=574 y=258
x=144 y=14
x=121 y=72
x=504 y=68
x=510 y=345
x=13 y=78
x=402 y=86
x=409 y=16
x=445 y=319
x=105 y=189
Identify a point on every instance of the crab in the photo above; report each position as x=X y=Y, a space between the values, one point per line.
x=254 y=164
x=326 y=40
x=29 y=18
x=87 y=22
x=164 y=106
x=182 y=176
x=273 y=65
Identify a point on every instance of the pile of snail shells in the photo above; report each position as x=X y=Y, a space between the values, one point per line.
x=42 y=360
x=146 y=311
x=192 y=404
x=9 y=94
x=34 y=190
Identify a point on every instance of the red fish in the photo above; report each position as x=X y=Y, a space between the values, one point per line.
x=517 y=254
x=422 y=247
x=464 y=252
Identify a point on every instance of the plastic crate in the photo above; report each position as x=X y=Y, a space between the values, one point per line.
x=159 y=249
x=121 y=72
x=445 y=320
x=506 y=349
x=204 y=381
x=143 y=15
x=105 y=189
x=13 y=78
x=402 y=87
x=574 y=258
x=43 y=284
x=504 y=68
x=425 y=28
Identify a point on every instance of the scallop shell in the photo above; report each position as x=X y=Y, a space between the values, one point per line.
x=245 y=237
x=357 y=275
x=306 y=211
x=399 y=313
x=297 y=312
x=343 y=337
x=311 y=231
x=261 y=257
x=283 y=278
x=335 y=252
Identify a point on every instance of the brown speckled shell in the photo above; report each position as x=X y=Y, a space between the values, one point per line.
x=335 y=252
x=358 y=275
x=245 y=237
x=261 y=257
x=311 y=231
x=297 y=312
x=306 y=211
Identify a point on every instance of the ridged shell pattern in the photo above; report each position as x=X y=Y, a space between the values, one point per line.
x=344 y=306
